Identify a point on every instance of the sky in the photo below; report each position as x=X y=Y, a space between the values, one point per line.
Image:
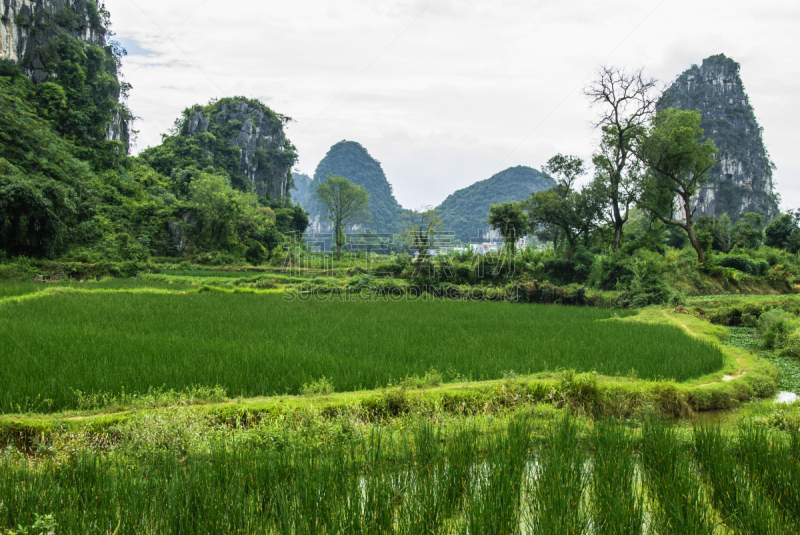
x=445 y=93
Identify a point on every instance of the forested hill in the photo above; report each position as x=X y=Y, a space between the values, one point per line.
x=301 y=193
x=352 y=161
x=742 y=180
x=238 y=136
x=465 y=211
x=215 y=190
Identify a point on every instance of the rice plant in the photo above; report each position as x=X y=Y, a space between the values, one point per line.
x=744 y=506
x=680 y=502
x=768 y=457
x=58 y=350
x=494 y=504
x=556 y=495
x=617 y=506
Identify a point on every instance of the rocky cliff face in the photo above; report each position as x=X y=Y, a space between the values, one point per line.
x=266 y=156
x=28 y=26
x=742 y=180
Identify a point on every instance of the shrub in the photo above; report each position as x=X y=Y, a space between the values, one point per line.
x=744 y=264
x=565 y=271
x=791 y=345
x=774 y=326
x=321 y=386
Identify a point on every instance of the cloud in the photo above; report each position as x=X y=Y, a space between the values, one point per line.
x=448 y=93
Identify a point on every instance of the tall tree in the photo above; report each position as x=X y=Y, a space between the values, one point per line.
x=678 y=160
x=627 y=101
x=565 y=170
x=508 y=219
x=421 y=226
x=574 y=215
x=344 y=203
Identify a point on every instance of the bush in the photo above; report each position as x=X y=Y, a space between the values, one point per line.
x=791 y=345
x=565 y=271
x=744 y=264
x=774 y=327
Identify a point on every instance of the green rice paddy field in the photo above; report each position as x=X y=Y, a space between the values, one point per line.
x=609 y=480
x=251 y=345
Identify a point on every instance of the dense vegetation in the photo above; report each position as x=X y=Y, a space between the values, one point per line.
x=464 y=211
x=255 y=344
x=68 y=192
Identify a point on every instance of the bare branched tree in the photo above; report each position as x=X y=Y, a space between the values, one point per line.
x=627 y=102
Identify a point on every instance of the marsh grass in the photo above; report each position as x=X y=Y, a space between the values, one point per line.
x=735 y=490
x=617 y=500
x=680 y=500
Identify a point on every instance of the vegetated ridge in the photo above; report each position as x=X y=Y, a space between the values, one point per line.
x=742 y=180
x=464 y=211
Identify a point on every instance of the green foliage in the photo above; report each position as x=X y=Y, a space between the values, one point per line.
x=509 y=220
x=82 y=96
x=744 y=264
x=227 y=219
x=464 y=211
x=679 y=159
x=783 y=233
x=774 y=326
x=344 y=204
x=35 y=213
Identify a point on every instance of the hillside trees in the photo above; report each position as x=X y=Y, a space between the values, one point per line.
x=627 y=102
x=678 y=161
x=344 y=204
x=784 y=232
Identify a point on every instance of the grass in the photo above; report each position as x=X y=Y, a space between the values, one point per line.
x=259 y=345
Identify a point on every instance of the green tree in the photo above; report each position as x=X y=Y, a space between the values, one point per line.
x=784 y=232
x=748 y=232
x=509 y=220
x=678 y=160
x=565 y=170
x=421 y=226
x=574 y=215
x=627 y=101
x=35 y=212
x=344 y=204
x=227 y=219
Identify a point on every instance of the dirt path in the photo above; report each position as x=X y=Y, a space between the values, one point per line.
x=725 y=378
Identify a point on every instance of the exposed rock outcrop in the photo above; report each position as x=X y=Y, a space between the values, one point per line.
x=266 y=156
x=742 y=180
x=28 y=26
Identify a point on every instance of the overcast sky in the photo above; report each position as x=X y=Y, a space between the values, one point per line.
x=445 y=93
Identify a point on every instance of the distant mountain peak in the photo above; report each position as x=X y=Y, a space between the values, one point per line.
x=742 y=180
x=465 y=211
